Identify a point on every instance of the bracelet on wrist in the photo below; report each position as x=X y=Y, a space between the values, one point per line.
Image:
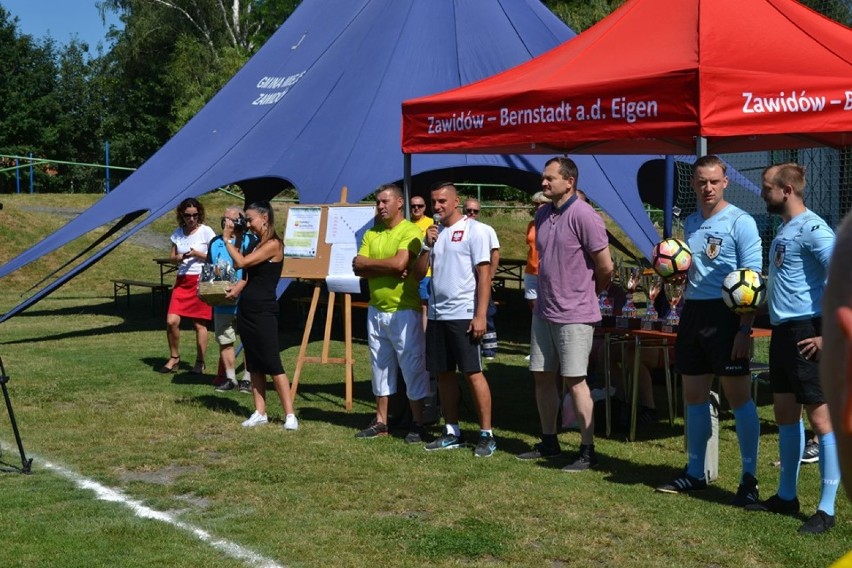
x=745 y=329
x=424 y=247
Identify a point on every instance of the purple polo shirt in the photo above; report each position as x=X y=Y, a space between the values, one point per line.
x=564 y=238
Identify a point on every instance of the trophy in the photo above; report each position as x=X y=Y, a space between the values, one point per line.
x=605 y=305
x=674 y=292
x=652 y=285
x=629 y=280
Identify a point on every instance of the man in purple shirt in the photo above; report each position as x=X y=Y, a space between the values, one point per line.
x=574 y=266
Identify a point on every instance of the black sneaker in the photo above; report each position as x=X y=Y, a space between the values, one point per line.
x=245 y=387
x=228 y=385
x=417 y=435
x=777 y=505
x=445 y=442
x=646 y=416
x=486 y=446
x=747 y=492
x=541 y=450
x=374 y=430
x=586 y=459
x=683 y=484
x=811 y=453
x=819 y=523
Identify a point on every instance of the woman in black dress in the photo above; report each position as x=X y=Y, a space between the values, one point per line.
x=257 y=319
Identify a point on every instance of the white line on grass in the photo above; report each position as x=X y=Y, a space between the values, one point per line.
x=114 y=495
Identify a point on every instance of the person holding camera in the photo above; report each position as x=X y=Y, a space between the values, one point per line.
x=189 y=252
x=258 y=321
x=225 y=315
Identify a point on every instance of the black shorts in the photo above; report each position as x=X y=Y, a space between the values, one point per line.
x=450 y=346
x=705 y=338
x=789 y=371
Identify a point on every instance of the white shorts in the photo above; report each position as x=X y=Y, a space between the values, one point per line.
x=530 y=286
x=396 y=341
x=561 y=347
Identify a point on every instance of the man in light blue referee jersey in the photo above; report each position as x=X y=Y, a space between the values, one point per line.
x=712 y=340
x=798 y=266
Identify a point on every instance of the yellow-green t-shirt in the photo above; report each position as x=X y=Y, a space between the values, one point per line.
x=424 y=223
x=845 y=562
x=391 y=293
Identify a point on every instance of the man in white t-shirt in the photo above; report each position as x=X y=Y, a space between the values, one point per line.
x=460 y=256
x=489 y=340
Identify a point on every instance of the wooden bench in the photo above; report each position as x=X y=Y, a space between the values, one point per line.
x=123 y=284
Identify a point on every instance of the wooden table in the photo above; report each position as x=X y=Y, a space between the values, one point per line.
x=654 y=339
x=167 y=266
x=511 y=269
x=607 y=333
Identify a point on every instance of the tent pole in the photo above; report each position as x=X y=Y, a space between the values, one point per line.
x=406 y=183
x=106 y=158
x=700 y=147
x=669 y=197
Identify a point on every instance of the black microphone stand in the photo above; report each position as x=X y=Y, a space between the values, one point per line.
x=25 y=463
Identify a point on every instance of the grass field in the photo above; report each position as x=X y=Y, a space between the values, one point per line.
x=89 y=404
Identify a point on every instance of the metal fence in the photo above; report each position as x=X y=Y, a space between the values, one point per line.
x=828 y=192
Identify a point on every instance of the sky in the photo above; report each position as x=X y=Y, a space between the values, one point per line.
x=62 y=19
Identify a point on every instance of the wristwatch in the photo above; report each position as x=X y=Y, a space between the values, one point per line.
x=745 y=329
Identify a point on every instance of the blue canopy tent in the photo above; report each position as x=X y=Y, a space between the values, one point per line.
x=318 y=107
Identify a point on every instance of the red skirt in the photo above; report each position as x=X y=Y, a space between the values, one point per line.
x=185 y=301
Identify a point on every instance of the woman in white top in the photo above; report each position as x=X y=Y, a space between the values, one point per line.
x=189 y=252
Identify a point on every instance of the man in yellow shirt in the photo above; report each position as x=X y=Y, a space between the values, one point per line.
x=423 y=222
x=394 y=328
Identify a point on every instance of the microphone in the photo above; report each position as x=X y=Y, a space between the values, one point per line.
x=436 y=218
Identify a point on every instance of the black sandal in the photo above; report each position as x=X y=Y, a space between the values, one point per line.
x=199 y=368
x=165 y=369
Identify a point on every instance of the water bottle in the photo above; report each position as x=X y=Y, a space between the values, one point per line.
x=711 y=458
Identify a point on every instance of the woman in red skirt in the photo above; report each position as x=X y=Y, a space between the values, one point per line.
x=189 y=252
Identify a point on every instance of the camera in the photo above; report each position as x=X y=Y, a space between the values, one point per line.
x=240 y=224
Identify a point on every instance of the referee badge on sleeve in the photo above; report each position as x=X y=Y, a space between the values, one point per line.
x=713 y=247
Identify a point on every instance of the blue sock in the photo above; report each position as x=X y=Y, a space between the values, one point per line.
x=829 y=471
x=791 y=443
x=748 y=434
x=697 y=434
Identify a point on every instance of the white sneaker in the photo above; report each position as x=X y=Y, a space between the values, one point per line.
x=256 y=419
x=291 y=423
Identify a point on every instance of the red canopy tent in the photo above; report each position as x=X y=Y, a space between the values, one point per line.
x=655 y=77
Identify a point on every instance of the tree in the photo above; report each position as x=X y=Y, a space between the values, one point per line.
x=78 y=124
x=238 y=24
x=171 y=57
x=28 y=99
x=582 y=14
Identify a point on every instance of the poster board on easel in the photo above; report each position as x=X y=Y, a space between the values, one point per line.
x=320 y=242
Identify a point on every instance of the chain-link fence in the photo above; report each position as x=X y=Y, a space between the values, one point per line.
x=828 y=192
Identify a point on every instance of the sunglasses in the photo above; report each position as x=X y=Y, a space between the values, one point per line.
x=418 y=205
x=190 y=215
x=472 y=211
